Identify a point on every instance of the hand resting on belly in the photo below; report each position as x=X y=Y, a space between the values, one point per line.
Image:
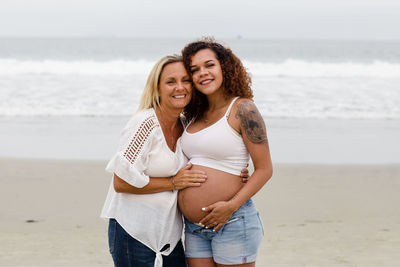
x=219 y=186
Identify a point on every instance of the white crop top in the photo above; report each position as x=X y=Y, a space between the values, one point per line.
x=218 y=146
x=153 y=219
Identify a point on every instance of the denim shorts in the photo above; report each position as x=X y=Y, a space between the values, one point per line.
x=236 y=242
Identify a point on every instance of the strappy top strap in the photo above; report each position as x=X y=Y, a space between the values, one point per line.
x=230 y=106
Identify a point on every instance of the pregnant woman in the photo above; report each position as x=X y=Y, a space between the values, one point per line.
x=222 y=225
x=145 y=225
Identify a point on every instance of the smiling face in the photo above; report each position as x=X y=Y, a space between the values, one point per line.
x=175 y=87
x=206 y=72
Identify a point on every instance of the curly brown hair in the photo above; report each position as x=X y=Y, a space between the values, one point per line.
x=236 y=80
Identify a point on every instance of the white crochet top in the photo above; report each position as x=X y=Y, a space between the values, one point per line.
x=153 y=219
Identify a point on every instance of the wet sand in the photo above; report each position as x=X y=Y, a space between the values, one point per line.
x=314 y=215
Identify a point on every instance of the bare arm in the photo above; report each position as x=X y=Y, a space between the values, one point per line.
x=254 y=135
x=184 y=178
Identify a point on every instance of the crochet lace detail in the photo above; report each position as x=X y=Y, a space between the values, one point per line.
x=139 y=139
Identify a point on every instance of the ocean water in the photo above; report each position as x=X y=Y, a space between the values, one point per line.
x=291 y=78
x=329 y=102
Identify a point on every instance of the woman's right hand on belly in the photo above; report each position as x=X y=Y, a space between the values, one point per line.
x=189 y=178
x=218 y=214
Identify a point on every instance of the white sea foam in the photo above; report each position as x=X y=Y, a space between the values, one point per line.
x=80 y=67
x=300 y=68
x=287 y=68
x=291 y=89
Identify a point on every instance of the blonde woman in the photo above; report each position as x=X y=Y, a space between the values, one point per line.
x=145 y=225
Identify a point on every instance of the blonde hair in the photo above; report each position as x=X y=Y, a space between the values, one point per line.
x=150 y=96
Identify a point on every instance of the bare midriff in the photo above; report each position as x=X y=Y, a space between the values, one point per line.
x=219 y=186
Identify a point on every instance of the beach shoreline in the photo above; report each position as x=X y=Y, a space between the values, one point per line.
x=295 y=140
x=313 y=214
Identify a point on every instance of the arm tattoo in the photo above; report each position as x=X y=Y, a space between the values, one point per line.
x=252 y=122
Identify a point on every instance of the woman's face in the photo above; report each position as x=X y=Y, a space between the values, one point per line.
x=206 y=72
x=175 y=88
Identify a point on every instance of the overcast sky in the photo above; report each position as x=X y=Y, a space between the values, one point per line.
x=320 y=19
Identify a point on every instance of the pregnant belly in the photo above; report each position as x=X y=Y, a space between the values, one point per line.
x=219 y=186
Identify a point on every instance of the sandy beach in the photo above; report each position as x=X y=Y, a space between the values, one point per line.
x=314 y=215
x=331 y=107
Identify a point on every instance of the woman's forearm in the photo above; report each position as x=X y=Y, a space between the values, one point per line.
x=183 y=179
x=156 y=185
x=255 y=182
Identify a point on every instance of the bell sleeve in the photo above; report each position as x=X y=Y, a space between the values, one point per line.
x=131 y=160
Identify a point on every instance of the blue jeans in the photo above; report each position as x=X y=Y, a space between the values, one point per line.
x=126 y=251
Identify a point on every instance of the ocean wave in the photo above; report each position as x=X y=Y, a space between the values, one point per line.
x=301 y=68
x=80 y=67
x=290 y=89
x=287 y=68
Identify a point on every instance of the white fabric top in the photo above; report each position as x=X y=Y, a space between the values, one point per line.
x=153 y=219
x=217 y=146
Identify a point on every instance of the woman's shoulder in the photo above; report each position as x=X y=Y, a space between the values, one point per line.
x=144 y=121
x=243 y=106
x=184 y=121
x=143 y=116
x=251 y=121
x=244 y=100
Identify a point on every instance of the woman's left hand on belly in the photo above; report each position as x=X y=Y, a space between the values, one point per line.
x=219 y=214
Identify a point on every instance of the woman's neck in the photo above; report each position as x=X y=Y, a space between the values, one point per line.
x=168 y=116
x=216 y=101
